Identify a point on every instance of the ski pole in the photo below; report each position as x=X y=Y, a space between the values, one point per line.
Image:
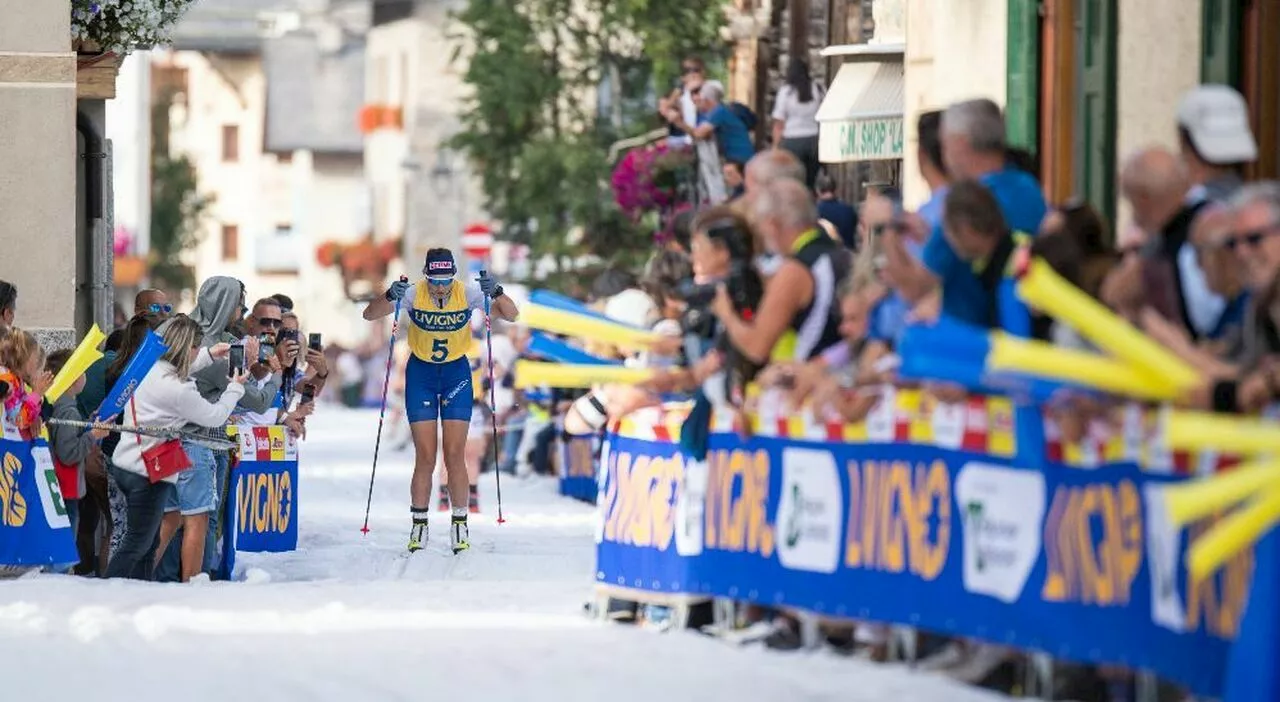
x=382 y=413
x=493 y=404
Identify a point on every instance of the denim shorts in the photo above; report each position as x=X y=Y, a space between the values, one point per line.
x=196 y=491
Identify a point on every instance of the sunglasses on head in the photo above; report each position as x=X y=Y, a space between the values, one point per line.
x=158 y=307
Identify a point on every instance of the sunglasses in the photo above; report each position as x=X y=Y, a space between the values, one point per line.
x=686 y=70
x=440 y=282
x=158 y=307
x=269 y=322
x=1251 y=239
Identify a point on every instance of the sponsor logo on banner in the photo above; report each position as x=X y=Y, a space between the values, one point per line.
x=55 y=509
x=1002 y=510
x=262 y=443
x=277 y=443
x=1164 y=543
x=810 y=511
x=691 y=507
x=13 y=505
x=949 y=424
x=882 y=419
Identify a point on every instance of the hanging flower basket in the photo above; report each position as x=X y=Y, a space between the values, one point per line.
x=329 y=254
x=120 y=26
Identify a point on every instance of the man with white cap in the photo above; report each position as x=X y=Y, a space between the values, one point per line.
x=1215 y=141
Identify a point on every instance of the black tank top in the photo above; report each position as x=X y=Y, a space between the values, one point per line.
x=817 y=325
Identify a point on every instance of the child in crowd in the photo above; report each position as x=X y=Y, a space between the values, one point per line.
x=70 y=446
x=21 y=363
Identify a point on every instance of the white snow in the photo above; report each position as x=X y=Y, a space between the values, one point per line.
x=345 y=618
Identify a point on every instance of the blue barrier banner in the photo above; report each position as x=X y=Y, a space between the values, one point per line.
x=262 y=504
x=578 y=467
x=1080 y=564
x=34 y=527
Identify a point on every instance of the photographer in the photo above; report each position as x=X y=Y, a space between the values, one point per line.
x=722 y=253
x=801 y=296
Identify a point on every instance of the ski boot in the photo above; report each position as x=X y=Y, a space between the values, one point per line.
x=418 y=533
x=459 y=536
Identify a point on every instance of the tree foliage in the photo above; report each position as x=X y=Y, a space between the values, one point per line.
x=177 y=207
x=535 y=69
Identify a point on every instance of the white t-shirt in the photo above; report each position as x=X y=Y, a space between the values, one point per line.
x=799 y=119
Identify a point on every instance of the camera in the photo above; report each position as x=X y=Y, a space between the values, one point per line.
x=744 y=290
x=308 y=394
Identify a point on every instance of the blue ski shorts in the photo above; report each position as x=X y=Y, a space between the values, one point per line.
x=438 y=390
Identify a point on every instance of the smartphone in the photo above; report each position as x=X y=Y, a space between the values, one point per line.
x=237 y=358
x=266 y=347
x=313 y=342
x=308 y=394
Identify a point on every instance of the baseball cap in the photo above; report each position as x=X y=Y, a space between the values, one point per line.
x=1217 y=122
x=440 y=265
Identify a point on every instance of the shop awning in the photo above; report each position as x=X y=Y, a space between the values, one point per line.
x=860 y=118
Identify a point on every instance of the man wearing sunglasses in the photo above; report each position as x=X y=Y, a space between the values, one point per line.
x=152 y=300
x=438 y=384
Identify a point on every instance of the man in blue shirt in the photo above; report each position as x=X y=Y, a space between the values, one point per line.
x=840 y=214
x=717 y=120
x=973 y=148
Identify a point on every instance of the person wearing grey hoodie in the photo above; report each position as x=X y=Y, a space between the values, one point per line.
x=219 y=304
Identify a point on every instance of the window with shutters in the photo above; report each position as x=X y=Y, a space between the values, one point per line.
x=1095 y=142
x=230 y=242
x=1220 y=42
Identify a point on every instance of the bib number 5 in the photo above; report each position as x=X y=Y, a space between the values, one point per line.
x=439 y=350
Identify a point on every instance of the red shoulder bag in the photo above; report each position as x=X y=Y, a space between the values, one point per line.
x=164 y=460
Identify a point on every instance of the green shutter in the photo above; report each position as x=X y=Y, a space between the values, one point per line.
x=1023 y=71
x=1096 y=109
x=1220 y=42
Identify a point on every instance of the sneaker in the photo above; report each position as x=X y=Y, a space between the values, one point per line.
x=459 y=536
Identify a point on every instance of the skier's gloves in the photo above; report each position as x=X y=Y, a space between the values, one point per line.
x=397 y=290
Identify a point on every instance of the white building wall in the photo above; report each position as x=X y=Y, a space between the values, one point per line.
x=129 y=129
x=284 y=208
x=956 y=50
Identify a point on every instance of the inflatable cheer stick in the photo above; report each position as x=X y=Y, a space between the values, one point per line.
x=1042 y=360
x=1236 y=532
x=560 y=375
x=555 y=300
x=542 y=345
x=84 y=356
x=1045 y=290
x=1219 y=432
x=148 y=353
x=1194 y=500
x=581 y=326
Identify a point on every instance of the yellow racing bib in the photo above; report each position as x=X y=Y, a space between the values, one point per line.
x=440 y=333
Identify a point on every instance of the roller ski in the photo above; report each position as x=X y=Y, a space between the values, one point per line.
x=459 y=535
x=418 y=533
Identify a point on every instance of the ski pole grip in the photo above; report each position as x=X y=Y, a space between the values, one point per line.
x=404 y=279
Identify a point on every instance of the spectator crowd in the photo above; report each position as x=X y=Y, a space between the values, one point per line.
x=784 y=286
x=145 y=507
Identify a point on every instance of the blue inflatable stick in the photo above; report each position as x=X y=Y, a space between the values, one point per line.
x=543 y=345
x=151 y=350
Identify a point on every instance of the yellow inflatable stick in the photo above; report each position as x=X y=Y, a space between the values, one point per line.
x=83 y=357
x=1236 y=532
x=1220 y=432
x=1194 y=500
x=1045 y=290
x=565 y=375
x=548 y=319
x=1081 y=367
